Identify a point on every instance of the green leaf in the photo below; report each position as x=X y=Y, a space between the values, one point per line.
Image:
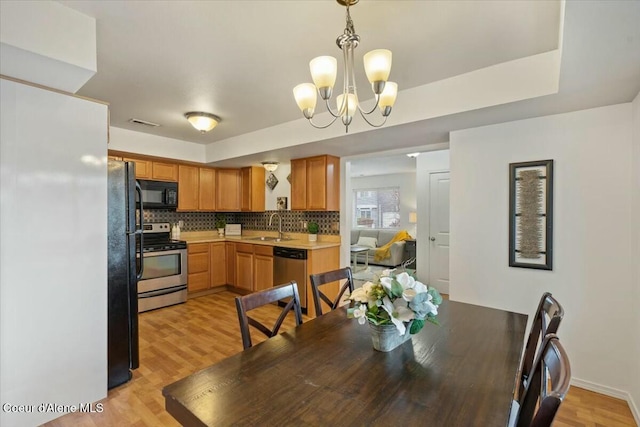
x=396 y=288
x=416 y=326
x=435 y=295
x=350 y=312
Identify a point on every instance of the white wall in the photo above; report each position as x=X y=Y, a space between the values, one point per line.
x=407 y=184
x=47 y=43
x=154 y=145
x=426 y=163
x=283 y=189
x=593 y=263
x=53 y=251
x=635 y=391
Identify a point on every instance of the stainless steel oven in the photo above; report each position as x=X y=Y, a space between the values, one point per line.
x=164 y=277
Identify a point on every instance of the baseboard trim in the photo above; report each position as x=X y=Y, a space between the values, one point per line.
x=609 y=391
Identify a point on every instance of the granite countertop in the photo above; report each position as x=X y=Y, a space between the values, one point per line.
x=298 y=240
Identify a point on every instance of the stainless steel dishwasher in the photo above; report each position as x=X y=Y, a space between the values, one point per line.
x=291 y=264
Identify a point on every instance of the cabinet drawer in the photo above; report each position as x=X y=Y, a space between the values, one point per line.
x=198 y=263
x=198 y=282
x=263 y=250
x=193 y=248
x=244 y=247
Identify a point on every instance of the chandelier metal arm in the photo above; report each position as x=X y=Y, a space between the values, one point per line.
x=322 y=127
x=373 y=109
x=371 y=124
x=335 y=115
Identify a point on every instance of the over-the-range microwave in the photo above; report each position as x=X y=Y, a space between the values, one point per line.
x=159 y=194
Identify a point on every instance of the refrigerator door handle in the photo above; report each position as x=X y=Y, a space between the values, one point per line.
x=140 y=232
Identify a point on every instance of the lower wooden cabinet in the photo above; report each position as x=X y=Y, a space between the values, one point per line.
x=218 y=265
x=207 y=266
x=198 y=265
x=262 y=267
x=230 y=248
x=244 y=266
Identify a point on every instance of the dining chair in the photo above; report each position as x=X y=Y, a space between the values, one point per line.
x=543 y=395
x=546 y=321
x=246 y=303
x=321 y=279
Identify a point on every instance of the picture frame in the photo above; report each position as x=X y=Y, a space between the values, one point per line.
x=531 y=214
x=282 y=203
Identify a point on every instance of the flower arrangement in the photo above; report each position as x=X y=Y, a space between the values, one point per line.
x=396 y=299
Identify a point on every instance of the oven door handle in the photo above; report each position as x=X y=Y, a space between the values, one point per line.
x=160 y=292
x=140 y=232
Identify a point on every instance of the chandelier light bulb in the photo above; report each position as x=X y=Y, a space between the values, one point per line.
x=306 y=96
x=377 y=65
x=388 y=97
x=323 y=71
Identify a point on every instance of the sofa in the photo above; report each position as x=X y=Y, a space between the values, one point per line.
x=380 y=237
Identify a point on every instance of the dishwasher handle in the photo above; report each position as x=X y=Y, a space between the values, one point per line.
x=292 y=253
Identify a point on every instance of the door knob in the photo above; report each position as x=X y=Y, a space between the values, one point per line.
x=433 y=239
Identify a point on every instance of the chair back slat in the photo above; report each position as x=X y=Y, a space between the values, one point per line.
x=321 y=279
x=544 y=395
x=258 y=299
x=546 y=321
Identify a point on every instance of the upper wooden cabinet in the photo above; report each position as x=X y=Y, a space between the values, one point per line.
x=315 y=183
x=228 y=189
x=207 y=190
x=157 y=171
x=164 y=171
x=196 y=191
x=252 y=189
x=143 y=167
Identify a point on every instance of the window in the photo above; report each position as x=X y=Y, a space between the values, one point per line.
x=376 y=207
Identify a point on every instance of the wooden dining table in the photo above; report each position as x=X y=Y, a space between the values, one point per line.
x=326 y=373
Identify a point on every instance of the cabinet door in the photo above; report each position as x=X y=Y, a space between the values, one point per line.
x=317 y=183
x=207 y=190
x=217 y=265
x=231 y=263
x=253 y=189
x=263 y=272
x=244 y=270
x=228 y=189
x=164 y=171
x=188 y=177
x=143 y=167
x=299 y=184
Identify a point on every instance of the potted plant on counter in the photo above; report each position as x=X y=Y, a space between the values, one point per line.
x=312 y=228
x=220 y=224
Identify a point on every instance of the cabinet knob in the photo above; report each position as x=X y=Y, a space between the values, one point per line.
x=433 y=239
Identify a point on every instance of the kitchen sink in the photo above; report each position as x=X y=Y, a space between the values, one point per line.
x=269 y=239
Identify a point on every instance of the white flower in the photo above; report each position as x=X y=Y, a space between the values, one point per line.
x=359 y=295
x=408 y=294
x=360 y=313
x=398 y=313
x=387 y=272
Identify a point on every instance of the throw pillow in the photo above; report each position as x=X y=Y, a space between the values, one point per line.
x=370 y=242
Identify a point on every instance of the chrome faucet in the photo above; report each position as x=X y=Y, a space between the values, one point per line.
x=279 y=224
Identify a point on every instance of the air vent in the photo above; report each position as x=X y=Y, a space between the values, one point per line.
x=143 y=122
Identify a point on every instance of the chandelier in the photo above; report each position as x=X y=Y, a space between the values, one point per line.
x=377 y=66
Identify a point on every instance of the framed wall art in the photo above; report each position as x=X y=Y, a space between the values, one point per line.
x=531 y=214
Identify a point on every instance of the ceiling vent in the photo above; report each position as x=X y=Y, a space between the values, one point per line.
x=143 y=122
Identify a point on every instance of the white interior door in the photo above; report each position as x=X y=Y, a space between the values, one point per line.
x=439 y=231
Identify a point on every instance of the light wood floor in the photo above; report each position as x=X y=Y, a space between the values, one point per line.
x=177 y=341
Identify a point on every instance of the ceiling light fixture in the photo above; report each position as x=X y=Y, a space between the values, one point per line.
x=204 y=122
x=413 y=155
x=377 y=66
x=270 y=166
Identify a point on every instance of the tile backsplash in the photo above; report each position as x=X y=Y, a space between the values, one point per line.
x=292 y=221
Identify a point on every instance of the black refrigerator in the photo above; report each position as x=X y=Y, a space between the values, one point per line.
x=124 y=272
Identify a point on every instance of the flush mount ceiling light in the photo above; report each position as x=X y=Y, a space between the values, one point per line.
x=204 y=122
x=377 y=66
x=270 y=166
x=413 y=155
